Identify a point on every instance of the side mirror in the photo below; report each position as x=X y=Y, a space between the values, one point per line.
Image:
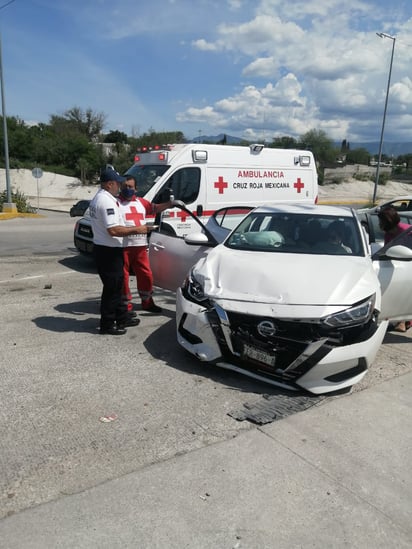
x=399 y=252
x=198 y=239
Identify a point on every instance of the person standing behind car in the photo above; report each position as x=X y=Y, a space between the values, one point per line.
x=108 y=232
x=136 y=257
x=390 y=223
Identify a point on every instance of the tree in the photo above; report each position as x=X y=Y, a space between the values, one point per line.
x=151 y=138
x=76 y=120
x=320 y=144
x=284 y=142
x=358 y=156
x=345 y=147
x=20 y=142
x=115 y=136
x=405 y=159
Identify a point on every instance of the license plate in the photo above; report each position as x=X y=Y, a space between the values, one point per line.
x=258 y=355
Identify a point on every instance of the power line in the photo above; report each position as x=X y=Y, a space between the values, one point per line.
x=7 y=4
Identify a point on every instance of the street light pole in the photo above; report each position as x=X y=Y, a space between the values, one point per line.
x=375 y=188
x=5 y=136
x=7 y=206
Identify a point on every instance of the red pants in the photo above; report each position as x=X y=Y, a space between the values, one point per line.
x=136 y=260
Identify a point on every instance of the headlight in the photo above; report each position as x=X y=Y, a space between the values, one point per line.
x=360 y=313
x=193 y=288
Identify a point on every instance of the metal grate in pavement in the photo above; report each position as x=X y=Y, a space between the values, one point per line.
x=274 y=407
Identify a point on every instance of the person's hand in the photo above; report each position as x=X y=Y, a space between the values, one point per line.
x=145 y=229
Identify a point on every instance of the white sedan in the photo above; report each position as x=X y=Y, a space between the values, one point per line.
x=292 y=295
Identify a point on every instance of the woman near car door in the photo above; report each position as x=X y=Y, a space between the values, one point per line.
x=390 y=223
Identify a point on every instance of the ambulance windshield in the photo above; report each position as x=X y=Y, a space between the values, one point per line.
x=146 y=176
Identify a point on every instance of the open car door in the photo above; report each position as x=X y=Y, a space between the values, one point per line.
x=393 y=266
x=172 y=256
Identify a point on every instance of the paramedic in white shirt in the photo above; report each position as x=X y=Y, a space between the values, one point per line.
x=108 y=232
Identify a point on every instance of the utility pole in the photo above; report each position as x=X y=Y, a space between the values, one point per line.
x=375 y=188
x=7 y=206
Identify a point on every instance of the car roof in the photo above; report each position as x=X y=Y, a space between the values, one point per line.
x=311 y=209
x=395 y=199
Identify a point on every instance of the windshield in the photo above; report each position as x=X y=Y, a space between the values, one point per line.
x=297 y=233
x=146 y=176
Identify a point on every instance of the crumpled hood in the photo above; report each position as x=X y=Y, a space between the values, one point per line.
x=284 y=278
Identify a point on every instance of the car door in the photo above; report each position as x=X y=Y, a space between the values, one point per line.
x=393 y=266
x=171 y=256
x=370 y=222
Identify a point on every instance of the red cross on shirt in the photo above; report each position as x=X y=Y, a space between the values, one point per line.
x=220 y=184
x=298 y=185
x=135 y=216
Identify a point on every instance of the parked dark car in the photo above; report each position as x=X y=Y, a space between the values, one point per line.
x=79 y=208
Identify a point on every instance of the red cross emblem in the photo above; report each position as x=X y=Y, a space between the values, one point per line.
x=182 y=215
x=299 y=185
x=135 y=216
x=220 y=184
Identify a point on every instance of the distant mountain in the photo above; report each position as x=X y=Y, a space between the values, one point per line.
x=395 y=149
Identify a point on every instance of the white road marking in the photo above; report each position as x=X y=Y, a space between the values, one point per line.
x=33 y=277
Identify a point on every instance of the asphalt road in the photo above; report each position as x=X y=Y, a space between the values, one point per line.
x=60 y=381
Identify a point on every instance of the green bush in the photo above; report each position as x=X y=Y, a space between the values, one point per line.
x=383 y=178
x=362 y=177
x=19 y=199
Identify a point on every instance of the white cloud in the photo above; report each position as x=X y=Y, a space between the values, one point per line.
x=269 y=67
x=335 y=73
x=203 y=45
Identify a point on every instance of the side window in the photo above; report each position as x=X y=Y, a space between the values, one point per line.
x=402 y=205
x=230 y=217
x=189 y=184
x=185 y=184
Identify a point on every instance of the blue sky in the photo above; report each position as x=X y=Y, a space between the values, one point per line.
x=254 y=69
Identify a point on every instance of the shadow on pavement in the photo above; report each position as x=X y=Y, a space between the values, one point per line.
x=65 y=324
x=79 y=263
x=398 y=337
x=89 y=306
x=162 y=345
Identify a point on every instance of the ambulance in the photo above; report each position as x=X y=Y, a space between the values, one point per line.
x=210 y=177
x=207 y=178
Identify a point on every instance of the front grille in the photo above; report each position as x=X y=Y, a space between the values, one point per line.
x=293 y=349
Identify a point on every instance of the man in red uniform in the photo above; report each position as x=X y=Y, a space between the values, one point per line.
x=136 y=258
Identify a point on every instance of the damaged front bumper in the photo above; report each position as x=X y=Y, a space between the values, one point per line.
x=291 y=353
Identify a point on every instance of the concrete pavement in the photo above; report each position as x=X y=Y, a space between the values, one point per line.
x=336 y=475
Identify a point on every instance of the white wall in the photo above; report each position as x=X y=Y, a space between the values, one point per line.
x=51 y=190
